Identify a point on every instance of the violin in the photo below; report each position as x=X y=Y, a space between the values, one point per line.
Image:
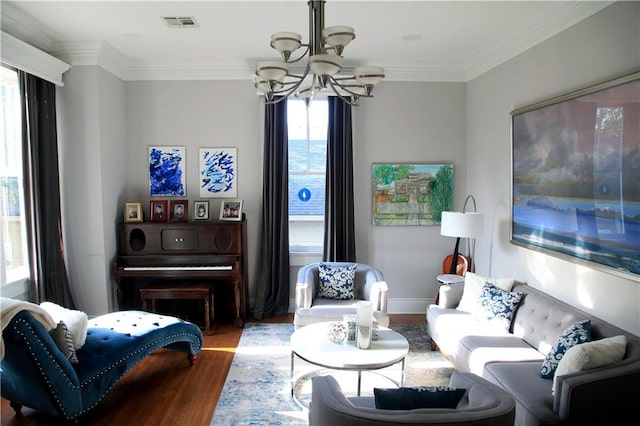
x=462 y=264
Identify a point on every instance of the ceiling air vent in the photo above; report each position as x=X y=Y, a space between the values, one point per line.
x=180 y=21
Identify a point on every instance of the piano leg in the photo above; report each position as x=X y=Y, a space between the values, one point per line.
x=236 y=288
x=212 y=305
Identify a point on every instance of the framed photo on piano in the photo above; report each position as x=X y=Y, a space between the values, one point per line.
x=200 y=210
x=231 y=210
x=132 y=212
x=179 y=211
x=158 y=211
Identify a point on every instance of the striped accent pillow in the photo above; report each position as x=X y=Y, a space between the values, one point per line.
x=64 y=341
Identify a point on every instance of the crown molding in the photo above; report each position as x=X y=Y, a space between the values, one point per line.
x=527 y=36
x=102 y=54
x=18 y=54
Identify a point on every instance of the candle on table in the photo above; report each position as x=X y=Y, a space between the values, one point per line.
x=364 y=312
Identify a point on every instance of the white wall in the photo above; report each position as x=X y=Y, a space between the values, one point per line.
x=197 y=114
x=602 y=47
x=407 y=123
x=93 y=170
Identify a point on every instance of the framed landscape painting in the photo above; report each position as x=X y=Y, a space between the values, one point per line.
x=218 y=172
x=408 y=194
x=575 y=174
x=167 y=171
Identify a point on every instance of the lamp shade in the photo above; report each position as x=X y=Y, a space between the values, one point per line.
x=286 y=41
x=338 y=35
x=368 y=75
x=325 y=64
x=462 y=225
x=272 y=70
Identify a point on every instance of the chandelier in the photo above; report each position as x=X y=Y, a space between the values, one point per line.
x=325 y=47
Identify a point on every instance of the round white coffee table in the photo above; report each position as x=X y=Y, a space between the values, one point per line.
x=311 y=344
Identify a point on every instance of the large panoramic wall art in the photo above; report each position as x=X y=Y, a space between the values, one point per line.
x=407 y=194
x=166 y=171
x=218 y=172
x=576 y=176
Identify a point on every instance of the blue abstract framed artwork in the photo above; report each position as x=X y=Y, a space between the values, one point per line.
x=218 y=172
x=167 y=171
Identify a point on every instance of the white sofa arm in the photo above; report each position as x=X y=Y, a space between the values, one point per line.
x=379 y=295
x=303 y=295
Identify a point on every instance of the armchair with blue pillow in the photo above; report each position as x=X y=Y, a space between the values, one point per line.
x=467 y=400
x=326 y=291
x=65 y=371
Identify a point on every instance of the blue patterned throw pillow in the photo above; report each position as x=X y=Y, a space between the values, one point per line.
x=406 y=398
x=499 y=306
x=579 y=332
x=336 y=282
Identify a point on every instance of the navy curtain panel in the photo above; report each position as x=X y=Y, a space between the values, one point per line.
x=49 y=280
x=272 y=293
x=339 y=228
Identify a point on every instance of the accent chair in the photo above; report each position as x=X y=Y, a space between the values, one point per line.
x=312 y=306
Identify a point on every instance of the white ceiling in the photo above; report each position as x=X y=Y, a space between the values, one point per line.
x=413 y=40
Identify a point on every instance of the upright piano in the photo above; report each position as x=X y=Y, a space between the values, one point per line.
x=209 y=251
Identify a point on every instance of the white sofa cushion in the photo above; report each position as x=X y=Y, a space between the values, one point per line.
x=591 y=355
x=473 y=284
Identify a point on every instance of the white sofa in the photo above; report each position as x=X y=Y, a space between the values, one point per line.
x=513 y=358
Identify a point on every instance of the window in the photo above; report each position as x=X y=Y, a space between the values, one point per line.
x=13 y=250
x=307 y=167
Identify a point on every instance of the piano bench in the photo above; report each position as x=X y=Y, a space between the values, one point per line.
x=166 y=291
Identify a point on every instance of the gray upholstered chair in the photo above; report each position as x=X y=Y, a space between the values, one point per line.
x=369 y=284
x=483 y=404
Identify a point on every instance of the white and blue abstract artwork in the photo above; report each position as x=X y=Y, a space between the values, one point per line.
x=166 y=171
x=218 y=172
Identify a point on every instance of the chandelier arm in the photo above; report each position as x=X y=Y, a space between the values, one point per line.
x=335 y=82
x=352 y=102
x=275 y=101
x=301 y=57
x=290 y=91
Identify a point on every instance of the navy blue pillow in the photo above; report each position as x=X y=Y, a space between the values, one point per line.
x=579 y=332
x=418 y=397
x=336 y=281
x=499 y=306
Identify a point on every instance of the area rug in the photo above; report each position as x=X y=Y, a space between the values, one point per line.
x=257 y=390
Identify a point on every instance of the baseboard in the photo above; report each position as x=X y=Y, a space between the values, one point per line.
x=395 y=306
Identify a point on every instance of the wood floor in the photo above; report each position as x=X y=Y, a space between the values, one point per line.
x=163 y=390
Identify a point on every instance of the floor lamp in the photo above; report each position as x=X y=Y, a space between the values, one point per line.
x=463 y=225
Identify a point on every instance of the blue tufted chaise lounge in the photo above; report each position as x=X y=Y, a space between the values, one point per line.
x=35 y=372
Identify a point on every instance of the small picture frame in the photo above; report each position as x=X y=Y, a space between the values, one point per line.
x=179 y=211
x=158 y=211
x=132 y=212
x=231 y=210
x=200 y=210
